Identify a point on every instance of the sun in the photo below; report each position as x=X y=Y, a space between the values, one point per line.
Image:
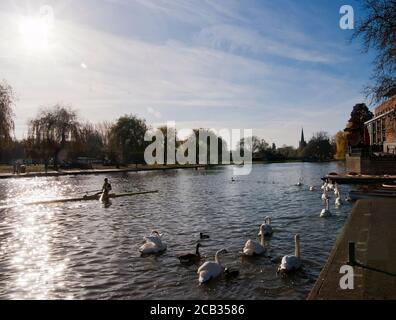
x=35 y=34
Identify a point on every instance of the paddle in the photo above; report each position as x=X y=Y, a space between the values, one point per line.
x=91 y=191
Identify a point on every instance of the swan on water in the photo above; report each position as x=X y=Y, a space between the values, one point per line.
x=299 y=183
x=191 y=257
x=311 y=188
x=253 y=247
x=291 y=263
x=153 y=244
x=268 y=231
x=210 y=269
x=325 y=212
x=338 y=201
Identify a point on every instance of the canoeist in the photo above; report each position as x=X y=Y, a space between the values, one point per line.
x=106 y=188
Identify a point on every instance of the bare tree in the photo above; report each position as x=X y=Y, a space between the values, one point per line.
x=378 y=31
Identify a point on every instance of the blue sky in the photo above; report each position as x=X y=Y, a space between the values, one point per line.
x=270 y=66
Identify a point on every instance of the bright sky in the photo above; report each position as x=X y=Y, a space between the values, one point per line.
x=270 y=66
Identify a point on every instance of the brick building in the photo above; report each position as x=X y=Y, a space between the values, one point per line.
x=382 y=128
x=380 y=134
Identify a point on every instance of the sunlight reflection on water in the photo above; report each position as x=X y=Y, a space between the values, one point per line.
x=84 y=250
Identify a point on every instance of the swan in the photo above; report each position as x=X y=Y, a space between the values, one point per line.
x=311 y=188
x=153 y=244
x=338 y=200
x=191 y=257
x=292 y=262
x=268 y=231
x=325 y=212
x=210 y=269
x=253 y=247
x=336 y=191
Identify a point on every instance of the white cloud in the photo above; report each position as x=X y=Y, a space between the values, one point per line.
x=104 y=75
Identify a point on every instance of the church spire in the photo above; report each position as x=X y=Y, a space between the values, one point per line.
x=302 y=143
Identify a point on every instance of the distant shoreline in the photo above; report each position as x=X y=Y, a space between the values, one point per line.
x=38 y=171
x=73 y=172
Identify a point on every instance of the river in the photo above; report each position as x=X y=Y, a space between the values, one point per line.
x=86 y=250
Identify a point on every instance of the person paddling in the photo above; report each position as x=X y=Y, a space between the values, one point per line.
x=106 y=188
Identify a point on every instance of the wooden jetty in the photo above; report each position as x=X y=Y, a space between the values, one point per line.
x=371 y=226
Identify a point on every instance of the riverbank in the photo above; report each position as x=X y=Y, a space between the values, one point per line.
x=96 y=171
x=371 y=226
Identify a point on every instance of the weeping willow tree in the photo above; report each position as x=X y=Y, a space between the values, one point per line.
x=6 y=116
x=51 y=131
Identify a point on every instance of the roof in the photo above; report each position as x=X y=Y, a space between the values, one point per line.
x=388 y=105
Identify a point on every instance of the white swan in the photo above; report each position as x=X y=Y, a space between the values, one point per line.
x=268 y=231
x=336 y=189
x=299 y=184
x=292 y=262
x=325 y=212
x=253 y=247
x=324 y=195
x=311 y=188
x=210 y=269
x=153 y=244
x=338 y=201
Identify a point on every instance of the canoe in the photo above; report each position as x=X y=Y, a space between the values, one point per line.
x=90 y=198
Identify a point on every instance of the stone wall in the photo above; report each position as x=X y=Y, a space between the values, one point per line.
x=375 y=166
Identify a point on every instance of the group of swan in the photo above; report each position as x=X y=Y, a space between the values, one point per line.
x=326 y=187
x=212 y=269
x=289 y=263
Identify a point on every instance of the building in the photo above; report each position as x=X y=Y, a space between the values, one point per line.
x=302 y=144
x=382 y=128
x=379 y=155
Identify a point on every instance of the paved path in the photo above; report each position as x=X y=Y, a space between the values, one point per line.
x=372 y=226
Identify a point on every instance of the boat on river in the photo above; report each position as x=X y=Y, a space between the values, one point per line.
x=91 y=198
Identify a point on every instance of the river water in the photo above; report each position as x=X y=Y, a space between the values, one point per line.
x=86 y=250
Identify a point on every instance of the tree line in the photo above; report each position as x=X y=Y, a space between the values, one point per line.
x=57 y=137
